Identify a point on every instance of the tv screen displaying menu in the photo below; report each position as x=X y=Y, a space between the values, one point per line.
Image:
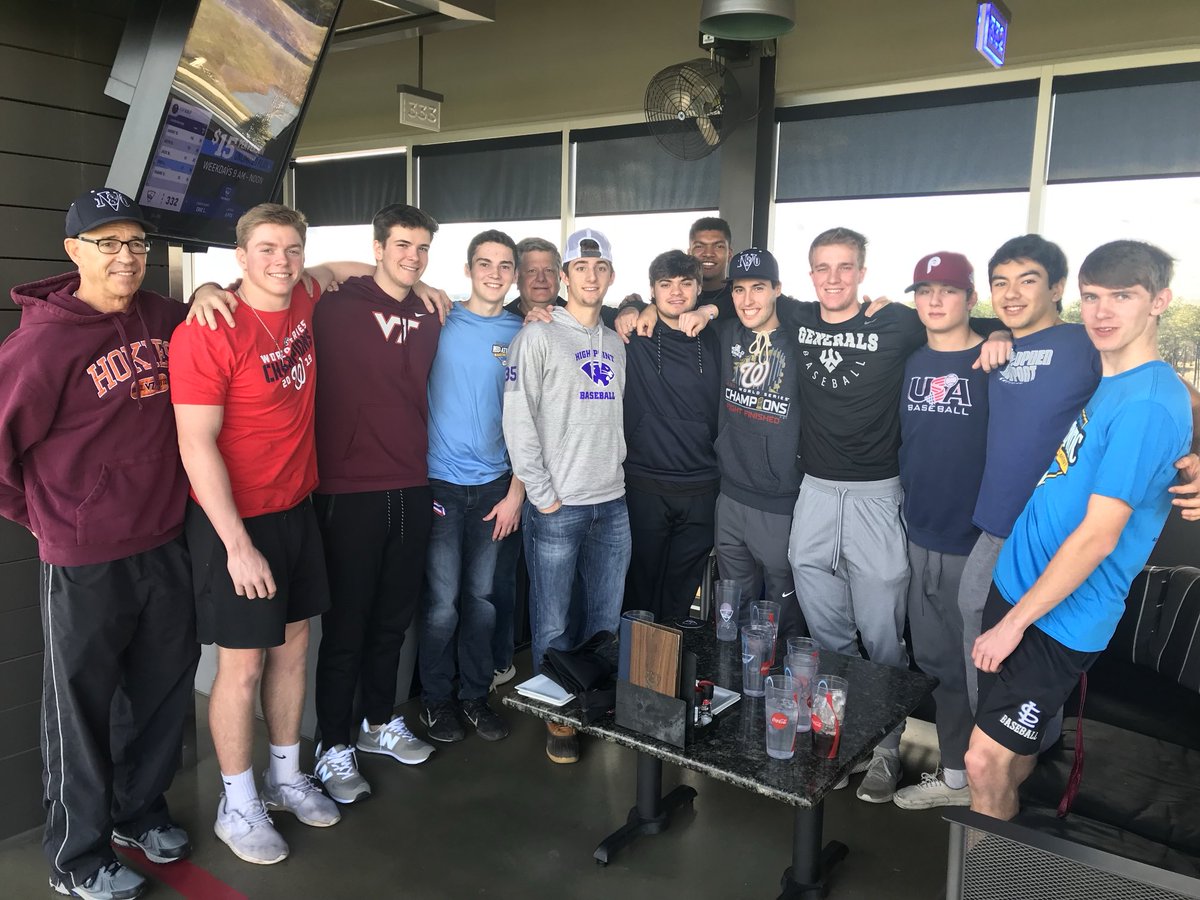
x=226 y=130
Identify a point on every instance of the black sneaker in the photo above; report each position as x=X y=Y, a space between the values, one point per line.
x=442 y=722
x=489 y=725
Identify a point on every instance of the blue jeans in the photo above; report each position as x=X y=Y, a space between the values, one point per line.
x=460 y=578
x=591 y=540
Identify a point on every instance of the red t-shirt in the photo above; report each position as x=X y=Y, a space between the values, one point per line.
x=264 y=373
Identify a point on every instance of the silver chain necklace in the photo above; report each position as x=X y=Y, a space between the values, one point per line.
x=270 y=334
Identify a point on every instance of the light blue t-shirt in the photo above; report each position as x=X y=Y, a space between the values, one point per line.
x=466 y=397
x=1123 y=445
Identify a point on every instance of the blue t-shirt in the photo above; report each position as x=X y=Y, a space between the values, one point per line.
x=466 y=397
x=1123 y=445
x=1031 y=404
x=943 y=433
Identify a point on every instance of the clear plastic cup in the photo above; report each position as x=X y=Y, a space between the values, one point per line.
x=758 y=641
x=766 y=612
x=727 y=600
x=781 y=712
x=828 y=714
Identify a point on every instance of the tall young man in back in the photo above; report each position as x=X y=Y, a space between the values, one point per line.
x=710 y=241
x=564 y=429
x=476 y=499
x=943 y=426
x=671 y=474
x=1061 y=579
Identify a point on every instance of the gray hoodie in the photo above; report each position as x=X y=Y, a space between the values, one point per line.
x=562 y=412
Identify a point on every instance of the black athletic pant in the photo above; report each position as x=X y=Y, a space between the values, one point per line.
x=672 y=537
x=375 y=545
x=120 y=662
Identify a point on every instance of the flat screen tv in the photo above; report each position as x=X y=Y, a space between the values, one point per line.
x=216 y=109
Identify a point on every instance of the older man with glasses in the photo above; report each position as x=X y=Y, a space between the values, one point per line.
x=89 y=464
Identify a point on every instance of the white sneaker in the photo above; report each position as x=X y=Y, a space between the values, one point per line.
x=303 y=798
x=932 y=791
x=883 y=774
x=337 y=768
x=250 y=833
x=394 y=740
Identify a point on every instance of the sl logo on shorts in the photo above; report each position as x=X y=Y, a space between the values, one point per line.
x=438 y=509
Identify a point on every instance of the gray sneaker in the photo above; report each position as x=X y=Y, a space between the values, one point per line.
x=932 y=791
x=503 y=676
x=883 y=774
x=337 y=768
x=394 y=740
x=303 y=798
x=115 y=881
x=250 y=833
x=857 y=769
x=163 y=844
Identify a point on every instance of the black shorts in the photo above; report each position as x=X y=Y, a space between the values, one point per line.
x=291 y=543
x=1031 y=686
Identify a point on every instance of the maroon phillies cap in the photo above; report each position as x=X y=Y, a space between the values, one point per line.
x=953 y=269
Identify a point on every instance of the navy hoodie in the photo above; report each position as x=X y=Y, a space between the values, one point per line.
x=672 y=385
x=89 y=459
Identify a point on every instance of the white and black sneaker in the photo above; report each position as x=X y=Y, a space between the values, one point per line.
x=114 y=881
x=337 y=768
x=489 y=725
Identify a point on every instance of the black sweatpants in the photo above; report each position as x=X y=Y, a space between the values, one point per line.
x=672 y=537
x=120 y=662
x=375 y=545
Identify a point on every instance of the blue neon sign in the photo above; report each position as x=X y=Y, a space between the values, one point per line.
x=991 y=32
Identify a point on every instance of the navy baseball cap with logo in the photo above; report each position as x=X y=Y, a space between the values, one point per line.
x=587 y=243
x=754 y=263
x=953 y=269
x=100 y=206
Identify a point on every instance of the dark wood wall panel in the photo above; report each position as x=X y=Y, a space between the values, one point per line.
x=23 y=271
x=15 y=542
x=45 y=183
x=23 y=800
x=91 y=31
x=42 y=78
x=59 y=133
x=16 y=727
x=18 y=585
x=20 y=682
x=20 y=631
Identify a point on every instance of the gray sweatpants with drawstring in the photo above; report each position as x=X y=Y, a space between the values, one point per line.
x=937 y=635
x=849 y=556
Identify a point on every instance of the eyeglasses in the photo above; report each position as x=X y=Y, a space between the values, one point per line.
x=112 y=246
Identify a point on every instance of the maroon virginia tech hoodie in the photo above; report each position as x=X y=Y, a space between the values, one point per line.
x=89 y=460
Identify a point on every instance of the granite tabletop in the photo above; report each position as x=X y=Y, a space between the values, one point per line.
x=879 y=698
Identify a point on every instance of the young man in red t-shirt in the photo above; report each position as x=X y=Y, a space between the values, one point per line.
x=244 y=409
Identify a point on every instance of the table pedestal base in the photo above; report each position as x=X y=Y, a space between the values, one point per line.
x=652 y=813
x=806 y=878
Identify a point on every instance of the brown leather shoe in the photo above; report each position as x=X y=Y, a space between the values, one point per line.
x=562 y=743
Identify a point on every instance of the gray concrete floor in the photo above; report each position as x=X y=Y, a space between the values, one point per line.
x=501 y=821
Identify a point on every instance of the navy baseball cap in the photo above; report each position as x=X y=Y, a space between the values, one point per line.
x=754 y=263
x=100 y=206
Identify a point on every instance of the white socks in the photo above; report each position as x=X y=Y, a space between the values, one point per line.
x=956 y=779
x=285 y=763
x=239 y=789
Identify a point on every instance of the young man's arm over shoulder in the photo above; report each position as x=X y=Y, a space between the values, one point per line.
x=198 y=427
x=522 y=402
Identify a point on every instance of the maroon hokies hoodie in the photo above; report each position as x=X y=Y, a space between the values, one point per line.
x=89 y=460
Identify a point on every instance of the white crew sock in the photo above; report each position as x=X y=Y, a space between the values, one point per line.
x=239 y=789
x=956 y=779
x=285 y=763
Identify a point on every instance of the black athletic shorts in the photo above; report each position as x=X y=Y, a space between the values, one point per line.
x=291 y=543
x=1031 y=686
